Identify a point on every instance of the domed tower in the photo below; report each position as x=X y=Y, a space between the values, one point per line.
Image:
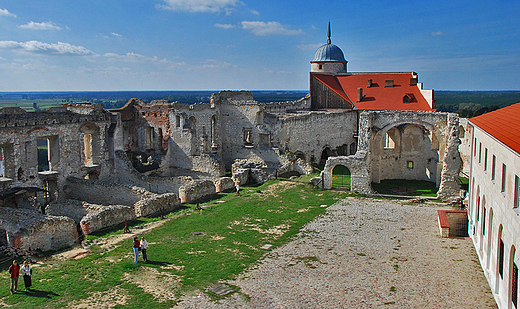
x=329 y=59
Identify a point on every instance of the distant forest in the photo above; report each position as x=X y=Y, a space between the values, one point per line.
x=466 y=103
x=473 y=103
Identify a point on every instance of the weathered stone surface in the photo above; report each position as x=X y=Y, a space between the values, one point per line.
x=224 y=184
x=28 y=229
x=198 y=189
x=153 y=205
x=100 y=217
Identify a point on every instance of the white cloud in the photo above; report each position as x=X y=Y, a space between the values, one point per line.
x=5 y=12
x=40 y=26
x=213 y=6
x=255 y=12
x=214 y=64
x=116 y=34
x=134 y=58
x=438 y=33
x=224 y=26
x=271 y=27
x=46 y=48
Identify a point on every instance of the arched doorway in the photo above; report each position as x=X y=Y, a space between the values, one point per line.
x=341 y=177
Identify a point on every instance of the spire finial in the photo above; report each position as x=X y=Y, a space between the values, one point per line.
x=328 y=35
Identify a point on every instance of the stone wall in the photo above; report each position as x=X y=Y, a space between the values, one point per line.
x=154 y=205
x=91 y=217
x=197 y=190
x=104 y=193
x=100 y=217
x=224 y=184
x=28 y=229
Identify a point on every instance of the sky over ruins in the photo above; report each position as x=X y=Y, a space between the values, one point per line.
x=94 y=45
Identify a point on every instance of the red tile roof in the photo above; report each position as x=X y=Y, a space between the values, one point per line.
x=377 y=97
x=503 y=124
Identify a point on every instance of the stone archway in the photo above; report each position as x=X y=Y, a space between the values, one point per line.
x=359 y=176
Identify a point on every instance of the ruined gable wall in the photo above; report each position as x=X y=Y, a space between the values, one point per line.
x=310 y=133
x=65 y=131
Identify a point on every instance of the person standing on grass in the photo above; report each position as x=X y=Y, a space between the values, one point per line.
x=237 y=186
x=26 y=273
x=144 y=245
x=14 y=271
x=136 y=247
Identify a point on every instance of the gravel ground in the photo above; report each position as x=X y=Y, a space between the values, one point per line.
x=363 y=253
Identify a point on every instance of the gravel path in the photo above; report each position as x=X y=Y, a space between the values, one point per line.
x=364 y=253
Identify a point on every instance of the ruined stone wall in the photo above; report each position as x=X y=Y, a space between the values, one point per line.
x=65 y=129
x=104 y=193
x=154 y=205
x=105 y=216
x=224 y=184
x=127 y=175
x=28 y=229
x=303 y=104
x=309 y=134
x=196 y=190
x=465 y=133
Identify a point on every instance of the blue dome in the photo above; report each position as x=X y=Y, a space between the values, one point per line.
x=329 y=52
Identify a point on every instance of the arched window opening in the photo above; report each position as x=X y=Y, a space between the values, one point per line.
x=341 y=177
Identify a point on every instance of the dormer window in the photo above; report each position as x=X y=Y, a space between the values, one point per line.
x=409 y=98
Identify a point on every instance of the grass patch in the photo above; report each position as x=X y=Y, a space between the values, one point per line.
x=181 y=261
x=414 y=187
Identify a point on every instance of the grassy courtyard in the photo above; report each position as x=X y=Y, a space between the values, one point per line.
x=188 y=252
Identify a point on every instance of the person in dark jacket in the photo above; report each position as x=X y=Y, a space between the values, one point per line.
x=14 y=271
x=137 y=245
x=26 y=273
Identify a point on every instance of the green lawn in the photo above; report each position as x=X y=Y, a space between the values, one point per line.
x=417 y=187
x=189 y=252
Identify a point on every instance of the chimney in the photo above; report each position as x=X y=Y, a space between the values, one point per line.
x=389 y=83
x=413 y=81
x=369 y=84
x=359 y=94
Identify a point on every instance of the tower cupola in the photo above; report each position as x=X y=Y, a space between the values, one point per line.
x=329 y=58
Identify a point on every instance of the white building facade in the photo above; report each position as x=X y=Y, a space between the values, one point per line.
x=493 y=208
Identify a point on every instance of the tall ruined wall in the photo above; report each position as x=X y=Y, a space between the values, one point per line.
x=303 y=104
x=66 y=130
x=309 y=134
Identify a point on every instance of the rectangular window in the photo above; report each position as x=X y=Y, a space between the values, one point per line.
x=87 y=144
x=409 y=164
x=485 y=159
x=514 y=290
x=493 y=167
x=43 y=154
x=484 y=222
x=475 y=148
x=501 y=259
x=504 y=170
x=389 y=141
x=517 y=192
x=480 y=153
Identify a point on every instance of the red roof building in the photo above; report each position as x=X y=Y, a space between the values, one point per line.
x=502 y=124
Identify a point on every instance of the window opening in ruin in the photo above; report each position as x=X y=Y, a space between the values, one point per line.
x=493 y=167
x=2 y=174
x=485 y=159
x=341 y=177
x=248 y=136
x=504 y=171
x=409 y=164
x=517 y=192
x=212 y=130
x=264 y=140
x=501 y=258
x=3 y=238
x=353 y=148
x=177 y=121
x=159 y=139
x=43 y=154
x=151 y=138
x=462 y=132
x=87 y=143
x=514 y=288
x=389 y=141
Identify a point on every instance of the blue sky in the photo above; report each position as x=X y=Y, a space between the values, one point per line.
x=58 y=45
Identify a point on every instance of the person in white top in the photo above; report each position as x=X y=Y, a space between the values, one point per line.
x=26 y=273
x=144 y=245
